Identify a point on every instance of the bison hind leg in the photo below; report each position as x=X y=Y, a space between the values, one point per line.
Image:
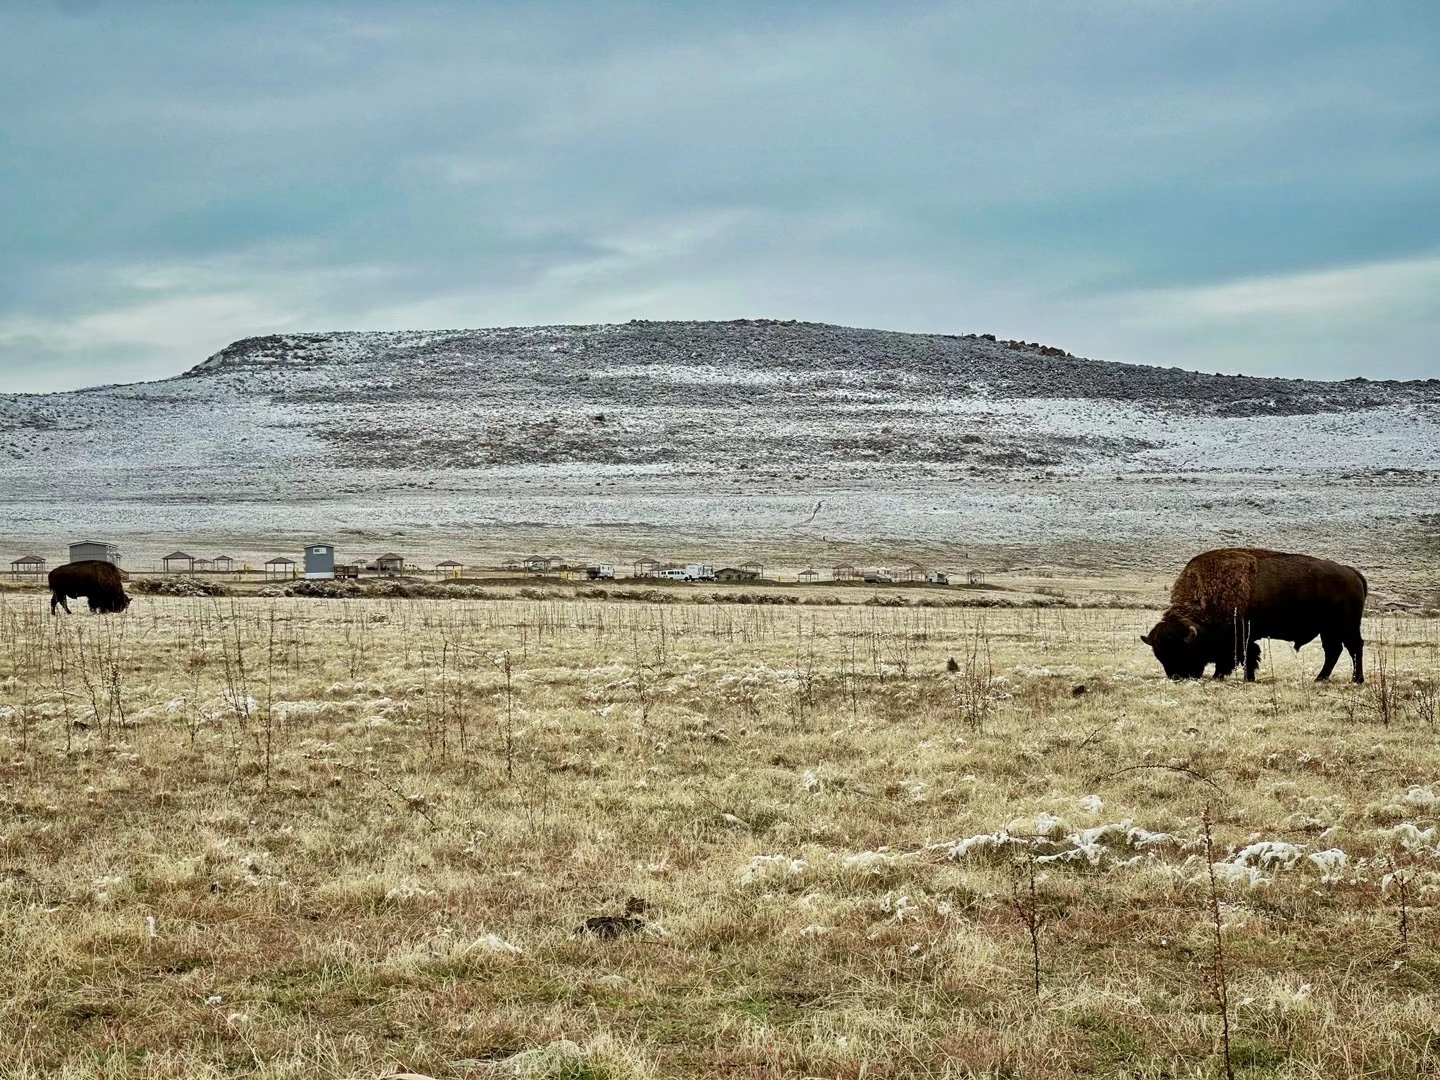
x=1252 y=660
x=1332 y=653
x=1355 y=646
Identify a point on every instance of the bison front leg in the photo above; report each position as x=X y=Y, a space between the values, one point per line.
x=58 y=598
x=1332 y=654
x=1252 y=660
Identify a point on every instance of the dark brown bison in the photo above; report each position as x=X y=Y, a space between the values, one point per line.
x=1226 y=600
x=101 y=583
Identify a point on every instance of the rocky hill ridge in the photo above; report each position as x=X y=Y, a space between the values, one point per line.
x=719 y=352
x=706 y=429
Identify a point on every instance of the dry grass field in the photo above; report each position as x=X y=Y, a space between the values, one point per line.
x=311 y=838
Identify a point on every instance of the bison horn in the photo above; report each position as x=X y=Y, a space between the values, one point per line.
x=1192 y=633
x=1145 y=639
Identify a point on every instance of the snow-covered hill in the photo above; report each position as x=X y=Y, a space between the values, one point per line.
x=648 y=432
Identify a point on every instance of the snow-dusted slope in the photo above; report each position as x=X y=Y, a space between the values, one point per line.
x=713 y=429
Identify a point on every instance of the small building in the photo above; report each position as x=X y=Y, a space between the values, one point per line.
x=449 y=568
x=735 y=573
x=647 y=567
x=809 y=577
x=202 y=564
x=543 y=564
x=913 y=572
x=320 y=561
x=937 y=577
x=755 y=568
x=91 y=549
x=27 y=566
x=178 y=562
x=279 y=567
x=845 y=573
x=390 y=564
x=222 y=564
x=975 y=577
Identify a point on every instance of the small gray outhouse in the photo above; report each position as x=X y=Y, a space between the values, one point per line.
x=90 y=549
x=320 y=561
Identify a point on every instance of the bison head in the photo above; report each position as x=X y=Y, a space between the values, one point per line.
x=1175 y=640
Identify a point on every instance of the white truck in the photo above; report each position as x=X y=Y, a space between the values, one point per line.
x=693 y=572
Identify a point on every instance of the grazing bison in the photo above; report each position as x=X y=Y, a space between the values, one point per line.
x=1226 y=600
x=99 y=582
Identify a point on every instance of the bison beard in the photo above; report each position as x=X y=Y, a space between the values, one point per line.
x=1226 y=600
x=98 y=582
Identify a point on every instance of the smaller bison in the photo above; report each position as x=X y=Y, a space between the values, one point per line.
x=101 y=583
x=1226 y=600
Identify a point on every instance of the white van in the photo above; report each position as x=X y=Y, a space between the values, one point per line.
x=693 y=572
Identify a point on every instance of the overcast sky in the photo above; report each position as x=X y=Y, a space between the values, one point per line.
x=1224 y=186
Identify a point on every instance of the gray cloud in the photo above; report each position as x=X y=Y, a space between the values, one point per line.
x=1110 y=177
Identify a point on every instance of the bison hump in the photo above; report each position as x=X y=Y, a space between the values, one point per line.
x=1217 y=584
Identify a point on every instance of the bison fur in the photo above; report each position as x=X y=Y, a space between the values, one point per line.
x=1225 y=601
x=99 y=582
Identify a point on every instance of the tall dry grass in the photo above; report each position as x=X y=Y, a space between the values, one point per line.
x=320 y=838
